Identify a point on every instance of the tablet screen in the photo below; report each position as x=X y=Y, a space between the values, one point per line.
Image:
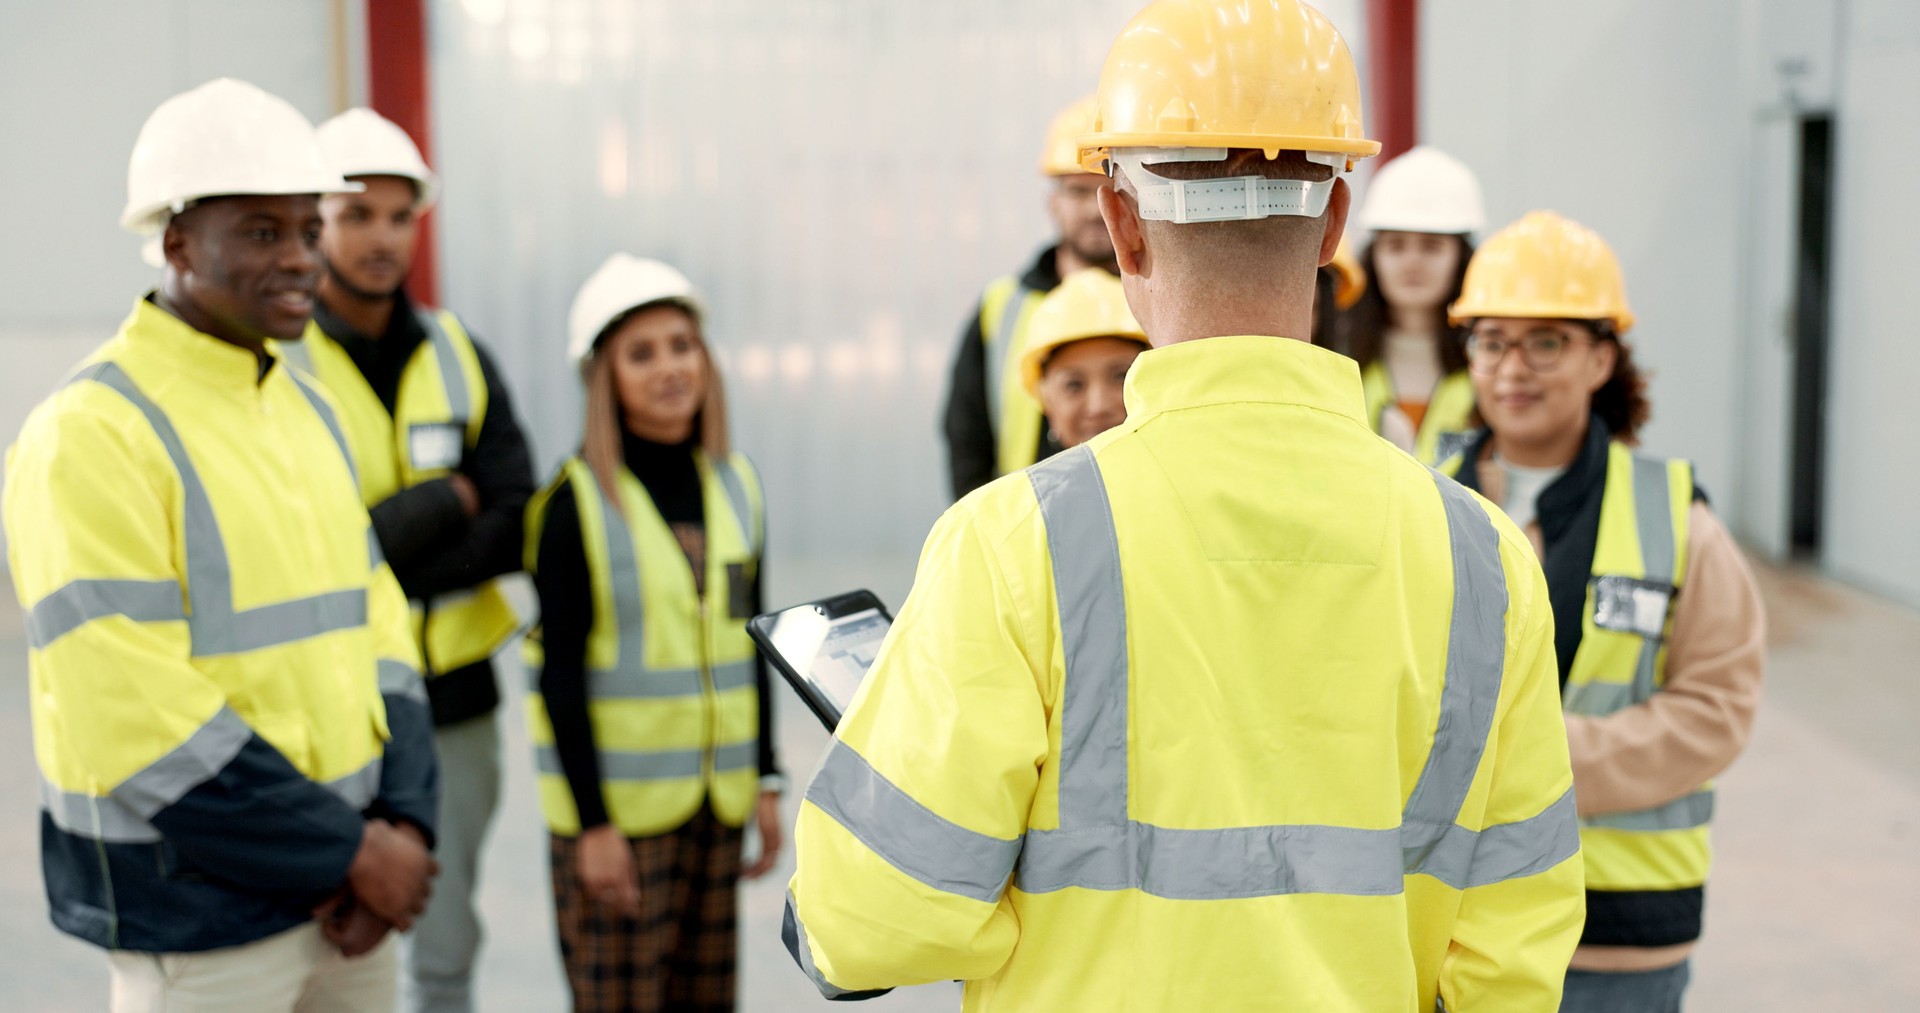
x=851 y=643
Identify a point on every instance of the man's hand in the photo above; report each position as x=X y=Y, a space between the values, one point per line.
x=392 y=873
x=469 y=493
x=606 y=870
x=766 y=818
x=349 y=926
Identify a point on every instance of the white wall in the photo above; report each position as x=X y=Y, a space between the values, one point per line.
x=1670 y=128
x=1873 y=472
x=841 y=178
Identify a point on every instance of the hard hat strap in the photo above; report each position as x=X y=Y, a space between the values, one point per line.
x=1232 y=198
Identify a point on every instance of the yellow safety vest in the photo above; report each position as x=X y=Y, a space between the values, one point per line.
x=670 y=672
x=228 y=585
x=435 y=420
x=1178 y=721
x=1449 y=411
x=1005 y=310
x=1639 y=566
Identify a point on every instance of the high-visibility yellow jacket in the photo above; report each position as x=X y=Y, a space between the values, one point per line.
x=1234 y=707
x=1449 y=412
x=222 y=676
x=670 y=670
x=437 y=417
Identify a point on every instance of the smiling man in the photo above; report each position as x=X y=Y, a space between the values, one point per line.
x=238 y=781
x=445 y=472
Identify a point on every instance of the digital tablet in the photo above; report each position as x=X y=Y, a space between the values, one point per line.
x=824 y=648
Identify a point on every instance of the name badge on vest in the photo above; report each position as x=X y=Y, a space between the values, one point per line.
x=1626 y=605
x=436 y=446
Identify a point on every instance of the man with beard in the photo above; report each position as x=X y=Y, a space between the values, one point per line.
x=993 y=426
x=238 y=782
x=445 y=472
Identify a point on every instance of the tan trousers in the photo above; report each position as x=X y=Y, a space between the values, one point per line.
x=297 y=971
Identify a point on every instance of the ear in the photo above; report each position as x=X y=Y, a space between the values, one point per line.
x=173 y=247
x=1338 y=203
x=1123 y=227
x=1606 y=354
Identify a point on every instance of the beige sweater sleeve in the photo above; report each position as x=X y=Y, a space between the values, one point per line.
x=1691 y=730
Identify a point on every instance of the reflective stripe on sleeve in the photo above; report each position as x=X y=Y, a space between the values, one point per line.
x=83 y=601
x=912 y=838
x=397 y=678
x=161 y=783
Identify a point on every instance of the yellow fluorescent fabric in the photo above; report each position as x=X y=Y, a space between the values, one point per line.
x=108 y=543
x=1450 y=410
x=1287 y=582
x=671 y=689
x=442 y=388
x=1006 y=309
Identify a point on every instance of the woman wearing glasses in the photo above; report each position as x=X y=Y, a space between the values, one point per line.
x=1660 y=635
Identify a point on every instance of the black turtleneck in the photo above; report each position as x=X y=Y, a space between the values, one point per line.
x=672 y=481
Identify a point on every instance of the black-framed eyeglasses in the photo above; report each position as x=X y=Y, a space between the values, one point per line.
x=1541 y=349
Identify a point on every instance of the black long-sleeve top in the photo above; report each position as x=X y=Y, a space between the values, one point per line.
x=672 y=480
x=433 y=547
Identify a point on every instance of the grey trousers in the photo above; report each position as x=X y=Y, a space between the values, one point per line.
x=441 y=949
x=1626 y=992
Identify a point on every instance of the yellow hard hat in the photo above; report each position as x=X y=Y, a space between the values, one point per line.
x=1268 y=74
x=1089 y=304
x=1546 y=266
x=1349 y=281
x=1062 y=155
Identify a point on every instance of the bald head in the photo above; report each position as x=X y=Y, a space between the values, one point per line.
x=1206 y=279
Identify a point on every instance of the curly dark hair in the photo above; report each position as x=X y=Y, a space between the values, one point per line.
x=1621 y=402
x=1363 y=328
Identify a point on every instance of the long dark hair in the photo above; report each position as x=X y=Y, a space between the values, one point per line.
x=1363 y=329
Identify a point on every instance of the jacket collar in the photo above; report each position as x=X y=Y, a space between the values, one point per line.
x=1210 y=371
x=1044 y=274
x=1561 y=501
x=190 y=352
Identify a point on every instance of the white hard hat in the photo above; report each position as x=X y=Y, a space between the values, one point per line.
x=1424 y=190
x=623 y=283
x=361 y=142
x=223 y=138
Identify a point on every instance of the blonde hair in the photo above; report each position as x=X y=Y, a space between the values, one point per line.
x=600 y=443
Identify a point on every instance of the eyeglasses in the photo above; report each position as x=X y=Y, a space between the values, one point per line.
x=1541 y=349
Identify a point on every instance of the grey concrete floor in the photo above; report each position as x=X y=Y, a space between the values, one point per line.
x=1815 y=901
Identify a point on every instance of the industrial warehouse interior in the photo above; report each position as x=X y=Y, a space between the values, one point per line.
x=854 y=212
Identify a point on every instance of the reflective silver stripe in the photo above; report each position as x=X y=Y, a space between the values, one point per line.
x=453 y=378
x=295 y=353
x=397 y=678
x=359 y=788
x=742 y=506
x=1085 y=551
x=96 y=817
x=1596 y=699
x=83 y=601
x=216 y=627
x=656 y=765
x=1099 y=847
x=1000 y=350
x=1464 y=859
x=162 y=783
x=643 y=683
x=325 y=411
x=374 y=555
x=1476 y=656
x=795 y=936
x=1213 y=864
x=910 y=837
x=1695 y=810
x=1653 y=519
x=663 y=683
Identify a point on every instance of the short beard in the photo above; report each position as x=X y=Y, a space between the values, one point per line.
x=356 y=291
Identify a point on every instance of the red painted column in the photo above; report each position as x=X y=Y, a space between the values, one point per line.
x=397 y=89
x=1393 y=73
